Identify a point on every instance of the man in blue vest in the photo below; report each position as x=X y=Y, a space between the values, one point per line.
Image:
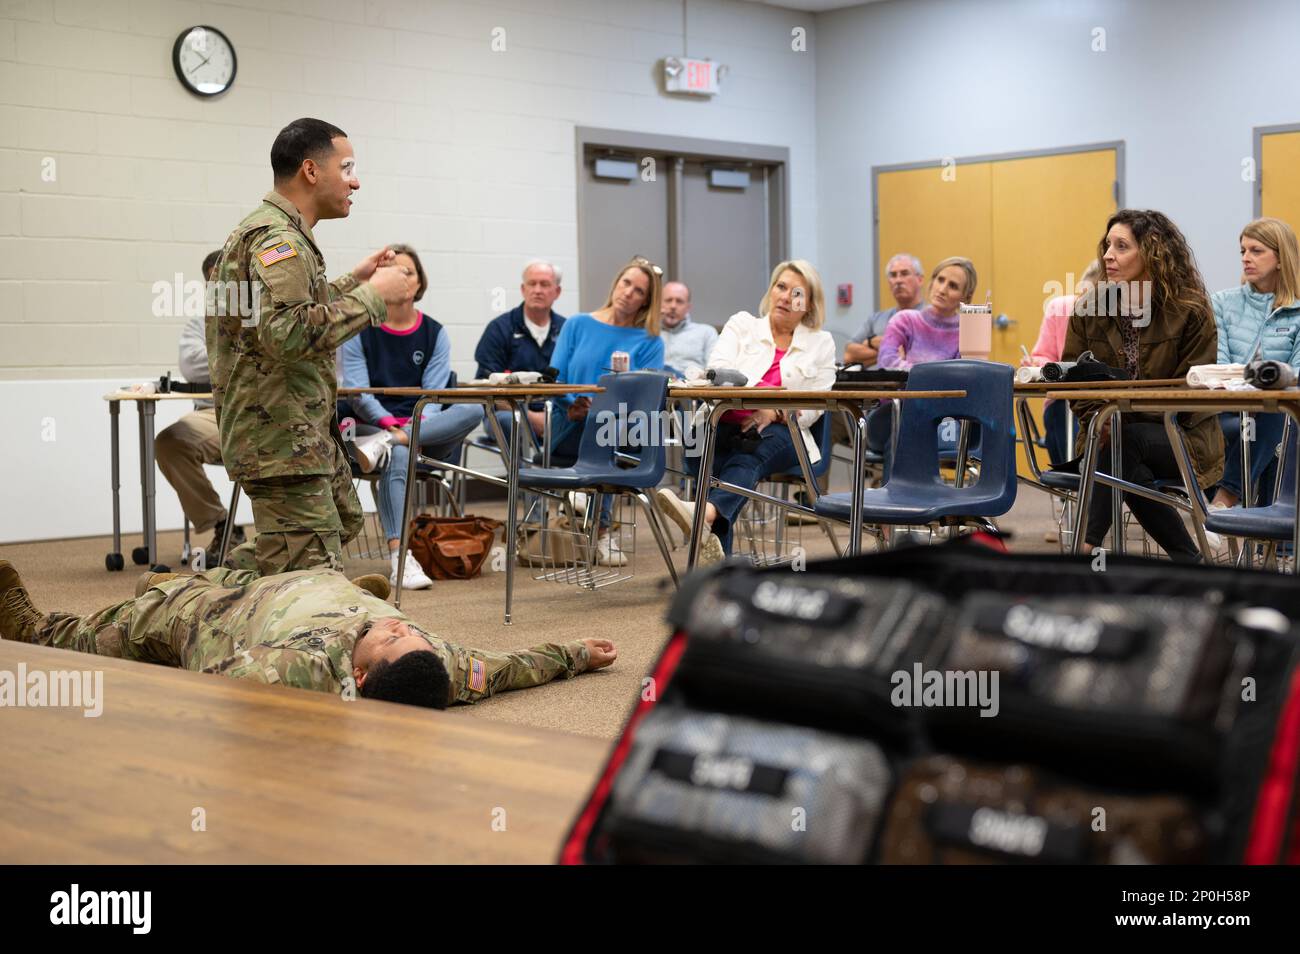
x=523 y=339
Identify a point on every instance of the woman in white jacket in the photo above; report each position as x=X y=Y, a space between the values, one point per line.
x=786 y=348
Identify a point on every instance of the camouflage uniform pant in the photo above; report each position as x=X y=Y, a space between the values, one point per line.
x=302 y=522
x=144 y=629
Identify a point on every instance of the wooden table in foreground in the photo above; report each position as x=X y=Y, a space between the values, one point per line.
x=281 y=775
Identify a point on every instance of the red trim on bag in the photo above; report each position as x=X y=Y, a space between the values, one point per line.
x=1268 y=828
x=577 y=840
x=990 y=541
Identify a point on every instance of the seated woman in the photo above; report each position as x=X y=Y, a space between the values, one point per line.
x=930 y=334
x=409 y=350
x=783 y=348
x=1258 y=318
x=1152 y=317
x=1051 y=339
x=628 y=322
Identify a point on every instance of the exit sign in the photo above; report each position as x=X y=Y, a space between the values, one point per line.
x=699 y=77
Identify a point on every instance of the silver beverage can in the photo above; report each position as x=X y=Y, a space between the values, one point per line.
x=620 y=361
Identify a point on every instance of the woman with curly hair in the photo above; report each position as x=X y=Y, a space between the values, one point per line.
x=1151 y=316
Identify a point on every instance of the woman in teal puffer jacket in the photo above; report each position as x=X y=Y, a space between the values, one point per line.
x=1259 y=318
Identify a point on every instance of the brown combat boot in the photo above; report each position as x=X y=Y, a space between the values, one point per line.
x=149 y=580
x=18 y=617
x=374 y=584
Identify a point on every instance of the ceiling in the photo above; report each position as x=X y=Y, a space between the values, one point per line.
x=814 y=6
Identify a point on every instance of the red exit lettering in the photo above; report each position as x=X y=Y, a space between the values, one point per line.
x=697 y=75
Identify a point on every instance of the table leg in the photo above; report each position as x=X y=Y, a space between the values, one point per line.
x=1185 y=468
x=149 y=409
x=1088 y=476
x=704 y=475
x=1117 y=542
x=519 y=420
x=859 y=481
x=114 y=560
x=412 y=468
x=1290 y=411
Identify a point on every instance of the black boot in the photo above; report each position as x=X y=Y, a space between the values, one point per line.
x=236 y=537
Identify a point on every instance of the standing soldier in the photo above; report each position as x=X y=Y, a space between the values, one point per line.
x=272 y=332
x=310 y=629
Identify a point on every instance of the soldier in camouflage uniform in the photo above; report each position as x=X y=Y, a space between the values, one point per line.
x=310 y=629
x=273 y=326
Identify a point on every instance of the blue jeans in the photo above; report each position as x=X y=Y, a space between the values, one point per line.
x=1059 y=443
x=775 y=453
x=1268 y=433
x=440 y=437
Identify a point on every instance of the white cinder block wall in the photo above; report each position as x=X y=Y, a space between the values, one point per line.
x=112 y=177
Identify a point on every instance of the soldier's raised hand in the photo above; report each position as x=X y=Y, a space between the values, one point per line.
x=366 y=267
x=393 y=287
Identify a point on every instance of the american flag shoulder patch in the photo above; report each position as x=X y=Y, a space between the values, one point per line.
x=477 y=675
x=277 y=254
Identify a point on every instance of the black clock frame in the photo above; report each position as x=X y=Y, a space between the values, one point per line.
x=180 y=74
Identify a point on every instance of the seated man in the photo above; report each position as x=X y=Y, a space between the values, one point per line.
x=183 y=448
x=310 y=629
x=523 y=339
x=687 y=343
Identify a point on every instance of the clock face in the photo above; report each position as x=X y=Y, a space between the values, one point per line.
x=204 y=60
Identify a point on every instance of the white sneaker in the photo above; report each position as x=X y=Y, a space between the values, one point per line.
x=677 y=510
x=372 y=451
x=711 y=551
x=608 y=552
x=413 y=576
x=1218 y=543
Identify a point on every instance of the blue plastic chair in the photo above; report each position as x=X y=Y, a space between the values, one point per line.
x=616 y=467
x=1276 y=521
x=915 y=492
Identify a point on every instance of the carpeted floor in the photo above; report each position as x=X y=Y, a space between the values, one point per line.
x=69 y=576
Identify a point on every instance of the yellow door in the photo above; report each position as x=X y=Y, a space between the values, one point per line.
x=1025 y=223
x=1279 y=183
x=935 y=213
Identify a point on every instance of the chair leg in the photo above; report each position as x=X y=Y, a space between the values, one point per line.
x=647 y=506
x=230 y=525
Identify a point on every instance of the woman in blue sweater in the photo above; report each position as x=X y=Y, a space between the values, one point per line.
x=1258 y=318
x=409 y=350
x=628 y=321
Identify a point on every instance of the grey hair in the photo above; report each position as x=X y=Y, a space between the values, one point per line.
x=916 y=262
x=542 y=263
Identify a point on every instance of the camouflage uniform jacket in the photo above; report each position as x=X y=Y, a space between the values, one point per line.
x=272 y=329
x=299 y=629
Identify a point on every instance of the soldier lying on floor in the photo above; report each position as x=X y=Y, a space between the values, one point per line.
x=311 y=629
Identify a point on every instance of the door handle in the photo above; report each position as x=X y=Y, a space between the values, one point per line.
x=1002 y=322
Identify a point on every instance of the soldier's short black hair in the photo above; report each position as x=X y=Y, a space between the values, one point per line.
x=416 y=679
x=302 y=139
x=210 y=262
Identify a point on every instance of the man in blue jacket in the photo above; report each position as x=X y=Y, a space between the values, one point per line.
x=523 y=339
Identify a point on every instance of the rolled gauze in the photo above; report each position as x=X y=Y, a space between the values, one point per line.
x=1215 y=375
x=1270 y=375
x=726 y=377
x=1029 y=374
x=1056 y=370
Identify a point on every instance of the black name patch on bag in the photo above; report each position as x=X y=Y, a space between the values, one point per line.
x=1060 y=632
x=721 y=771
x=805 y=604
x=1008 y=833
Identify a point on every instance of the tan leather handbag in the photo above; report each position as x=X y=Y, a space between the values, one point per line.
x=452 y=548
